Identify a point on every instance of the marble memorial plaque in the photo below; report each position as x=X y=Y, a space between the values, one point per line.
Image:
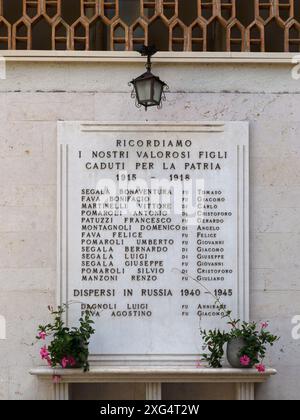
x=153 y=228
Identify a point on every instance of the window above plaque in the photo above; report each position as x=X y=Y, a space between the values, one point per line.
x=123 y=25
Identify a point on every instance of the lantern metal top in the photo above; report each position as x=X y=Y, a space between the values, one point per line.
x=148 y=77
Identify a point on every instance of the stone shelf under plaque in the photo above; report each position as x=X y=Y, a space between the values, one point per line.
x=154 y=377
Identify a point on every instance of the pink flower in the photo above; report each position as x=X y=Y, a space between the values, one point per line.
x=64 y=362
x=56 y=379
x=245 y=361
x=44 y=353
x=72 y=361
x=68 y=361
x=264 y=325
x=261 y=368
x=198 y=364
x=49 y=361
x=42 y=335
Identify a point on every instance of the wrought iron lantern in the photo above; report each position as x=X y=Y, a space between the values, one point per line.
x=148 y=90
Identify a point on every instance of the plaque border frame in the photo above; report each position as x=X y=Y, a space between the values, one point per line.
x=243 y=246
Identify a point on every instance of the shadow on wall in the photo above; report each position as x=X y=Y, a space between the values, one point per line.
x=136 y=392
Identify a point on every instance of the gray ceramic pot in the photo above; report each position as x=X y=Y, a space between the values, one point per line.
x=234 y=347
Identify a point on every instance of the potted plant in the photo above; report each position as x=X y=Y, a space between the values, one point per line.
x=246 y=345
x=246 y=341
x=68 y=347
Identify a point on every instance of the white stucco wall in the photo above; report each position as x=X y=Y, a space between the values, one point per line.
x=35 y=95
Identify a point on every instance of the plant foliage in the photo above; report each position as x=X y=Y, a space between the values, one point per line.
x=68 y=346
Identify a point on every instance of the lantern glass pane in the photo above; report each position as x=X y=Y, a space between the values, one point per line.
x=158 y=89
x=143 y=90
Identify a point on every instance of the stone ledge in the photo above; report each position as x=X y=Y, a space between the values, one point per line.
x=161 y=57
x=154 y=375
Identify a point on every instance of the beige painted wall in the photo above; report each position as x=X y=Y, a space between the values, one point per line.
x=35 y=95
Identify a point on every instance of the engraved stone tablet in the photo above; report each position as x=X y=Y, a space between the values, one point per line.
x=153 y=229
